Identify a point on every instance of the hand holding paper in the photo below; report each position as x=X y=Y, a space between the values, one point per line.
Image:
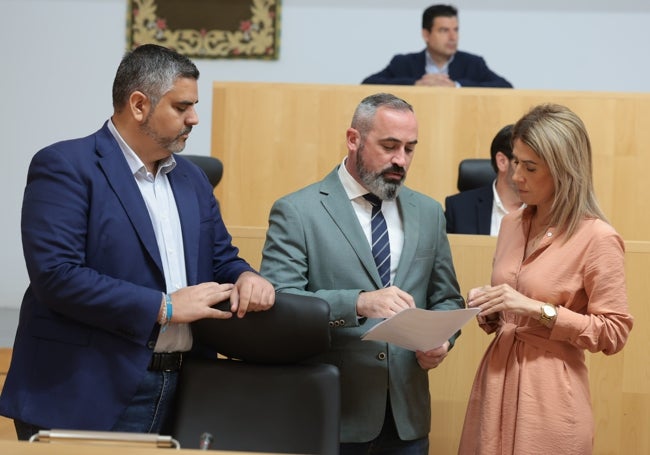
x=420 y=330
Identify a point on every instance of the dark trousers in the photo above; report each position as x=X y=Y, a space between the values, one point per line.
x=148 y=411
x=387 y=443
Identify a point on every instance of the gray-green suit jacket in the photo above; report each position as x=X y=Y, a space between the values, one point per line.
x=315 y=245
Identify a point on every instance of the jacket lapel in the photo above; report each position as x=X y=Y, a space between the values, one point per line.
x=484 y=211
x=411 y=221
x=188 y=212
x=336 y=203
x=121 y=180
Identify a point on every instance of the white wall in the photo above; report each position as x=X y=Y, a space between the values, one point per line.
x=59 y=58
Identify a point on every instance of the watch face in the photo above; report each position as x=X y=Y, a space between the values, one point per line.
x=549 y=311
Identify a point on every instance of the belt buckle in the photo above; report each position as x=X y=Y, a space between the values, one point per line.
x=166 y=361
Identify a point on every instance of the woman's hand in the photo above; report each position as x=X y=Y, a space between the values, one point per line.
x=494 y=299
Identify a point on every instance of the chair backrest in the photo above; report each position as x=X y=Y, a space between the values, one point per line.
x=268 y=395
x=294 y=329
x=258 y=408
x=474 y=173
x=213 y=167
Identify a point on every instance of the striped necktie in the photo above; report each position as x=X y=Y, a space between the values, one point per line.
x=380 y=241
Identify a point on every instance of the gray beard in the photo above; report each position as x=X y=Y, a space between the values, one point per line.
x=375 y=182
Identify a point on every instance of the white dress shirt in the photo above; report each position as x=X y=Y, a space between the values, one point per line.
x=363 y=209
x=161 y=205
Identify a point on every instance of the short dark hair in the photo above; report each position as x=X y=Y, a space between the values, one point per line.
x=437 y=11
x=364 y=114
x=502 y=142
x=152 y=70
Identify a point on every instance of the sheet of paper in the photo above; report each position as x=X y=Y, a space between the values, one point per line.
x=419 y=329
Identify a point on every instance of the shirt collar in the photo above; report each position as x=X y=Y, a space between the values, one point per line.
x=135 y=163
x=352 y=188
x=497 y=199
x=429 y=63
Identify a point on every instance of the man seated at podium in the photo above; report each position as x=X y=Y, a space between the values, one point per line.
x=441 y=63
x=480 y=210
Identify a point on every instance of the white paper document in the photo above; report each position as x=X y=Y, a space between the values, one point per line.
x=419 y=329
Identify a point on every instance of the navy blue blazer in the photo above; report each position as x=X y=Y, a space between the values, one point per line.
x=468 y=70
x=470 y=212
x=87 y=325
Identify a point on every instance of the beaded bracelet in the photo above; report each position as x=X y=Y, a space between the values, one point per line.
x=167 y=312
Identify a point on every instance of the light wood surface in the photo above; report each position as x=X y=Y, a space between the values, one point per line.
x=59 y=448
x=275 y=138
x=620 y=384
x=6 y=426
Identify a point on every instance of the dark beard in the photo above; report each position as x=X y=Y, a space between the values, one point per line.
x=172 y=145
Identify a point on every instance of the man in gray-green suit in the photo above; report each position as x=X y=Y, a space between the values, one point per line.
x=319 y=242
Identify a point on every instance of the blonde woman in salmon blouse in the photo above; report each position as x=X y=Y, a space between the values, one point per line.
x=558 y=289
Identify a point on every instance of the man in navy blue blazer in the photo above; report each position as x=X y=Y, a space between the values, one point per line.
x=441 y=63
x=480 y=210
x=125 y=246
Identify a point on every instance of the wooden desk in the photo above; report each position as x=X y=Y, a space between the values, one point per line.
x=619 y=384
x=6 y=425
x=275 y=138
x=58 y=448
x=620 y=389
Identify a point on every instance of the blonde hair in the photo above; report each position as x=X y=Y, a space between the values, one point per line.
x=560 y=139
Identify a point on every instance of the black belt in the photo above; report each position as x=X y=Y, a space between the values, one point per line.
x=166 y=361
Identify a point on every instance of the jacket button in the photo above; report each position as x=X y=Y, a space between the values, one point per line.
x=381 y=356
x=151 y=344
x=331 y=324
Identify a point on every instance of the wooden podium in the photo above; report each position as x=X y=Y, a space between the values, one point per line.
x=276 y=138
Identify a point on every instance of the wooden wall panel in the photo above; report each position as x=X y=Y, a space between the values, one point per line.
x=6 y=425
x=275 y=138
x=620 y=384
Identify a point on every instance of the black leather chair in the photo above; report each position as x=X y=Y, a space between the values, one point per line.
x=213 y=167
x=264 y=393
x=474 y=173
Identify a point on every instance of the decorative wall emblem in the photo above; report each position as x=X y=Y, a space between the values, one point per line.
x=207 y=28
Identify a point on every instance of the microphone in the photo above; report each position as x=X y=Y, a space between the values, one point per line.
x=205 y=441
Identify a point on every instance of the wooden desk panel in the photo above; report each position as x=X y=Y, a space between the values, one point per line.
x=58 y=448
x=6 y=425
x=276 y=138
x=619 y=384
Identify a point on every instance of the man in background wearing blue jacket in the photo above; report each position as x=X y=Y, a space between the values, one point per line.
x=441 y=63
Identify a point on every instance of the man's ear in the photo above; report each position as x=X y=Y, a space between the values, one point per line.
x=139 y=106
x=353 y=138
x=503 y=162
